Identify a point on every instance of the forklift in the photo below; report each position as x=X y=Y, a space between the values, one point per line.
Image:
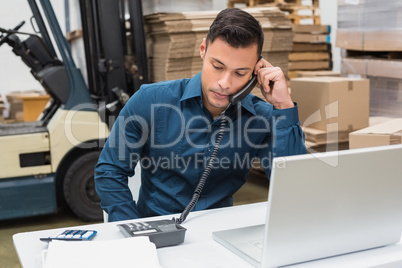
x=49 y=163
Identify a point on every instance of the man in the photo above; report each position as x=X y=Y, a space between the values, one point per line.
x=170 y=128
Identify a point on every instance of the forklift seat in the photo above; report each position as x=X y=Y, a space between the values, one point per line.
x=49 y=71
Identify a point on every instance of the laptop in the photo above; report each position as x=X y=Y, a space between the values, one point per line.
x=325 y=204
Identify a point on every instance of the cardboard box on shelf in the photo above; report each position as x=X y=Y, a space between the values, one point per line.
x=310 y=47
x=385 y=96
x=309 y=65
x=387 y=133
x=325 y=101
x=369 y=25
x=385 y=83
x=294 y=74
x=306 y=56
x=312 y=28
x=311 y=38
x=369 y=40
x=389 y=68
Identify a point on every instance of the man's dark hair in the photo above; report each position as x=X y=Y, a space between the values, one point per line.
x=238 y=28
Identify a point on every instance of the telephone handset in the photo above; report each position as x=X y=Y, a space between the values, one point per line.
x=235 y=98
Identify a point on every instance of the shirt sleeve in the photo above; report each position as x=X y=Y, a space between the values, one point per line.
x=118 y=160
x=287 y=137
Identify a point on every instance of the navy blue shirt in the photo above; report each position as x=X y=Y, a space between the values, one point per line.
x=165 y=129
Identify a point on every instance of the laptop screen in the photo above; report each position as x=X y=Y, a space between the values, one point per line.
x=326 y=204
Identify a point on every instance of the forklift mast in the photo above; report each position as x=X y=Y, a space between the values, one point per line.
x=115 y=54
x=78 y=93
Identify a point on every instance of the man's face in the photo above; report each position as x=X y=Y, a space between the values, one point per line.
x=225 y=71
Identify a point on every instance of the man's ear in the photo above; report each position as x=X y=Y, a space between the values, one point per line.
x=203 y=48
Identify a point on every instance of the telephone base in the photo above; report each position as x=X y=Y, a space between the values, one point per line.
x=162 y=233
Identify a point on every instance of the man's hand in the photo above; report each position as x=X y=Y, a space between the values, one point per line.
x=273 y=85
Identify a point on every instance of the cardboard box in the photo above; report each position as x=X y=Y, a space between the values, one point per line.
x=369 y=25
x=294 y=74
x=386 y=133
x=311 y=38
x=15 y=100
x=309 y=47
x=309 y=65
x=311 y=28
x=320 y=137
x=369 y=39
x=309 y=56
x=372 y=67
x=385 y=83
x=33 y=106
x=325 y=101
x=385 y=96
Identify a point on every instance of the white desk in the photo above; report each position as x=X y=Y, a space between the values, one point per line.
x=199 y=249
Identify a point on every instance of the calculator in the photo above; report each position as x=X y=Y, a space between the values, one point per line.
x=71 y=235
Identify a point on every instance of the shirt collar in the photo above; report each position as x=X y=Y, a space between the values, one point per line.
x=193 y=90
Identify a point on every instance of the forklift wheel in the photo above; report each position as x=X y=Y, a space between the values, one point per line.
x=79 y=188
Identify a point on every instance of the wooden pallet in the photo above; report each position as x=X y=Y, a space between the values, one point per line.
x=298 y=13
x=251 y=3
x=315 y=3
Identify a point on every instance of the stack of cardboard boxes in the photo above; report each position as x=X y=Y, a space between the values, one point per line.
x=330 y=108
x=369 y=33
x=311 y=49
x=311 y=43
x=174 y=40
x=386 y=133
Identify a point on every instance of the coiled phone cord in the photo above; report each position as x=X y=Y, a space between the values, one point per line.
x=207 y=170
